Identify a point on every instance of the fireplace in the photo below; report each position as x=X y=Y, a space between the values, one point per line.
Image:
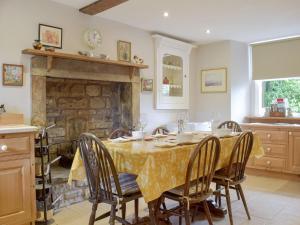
x=81 y=96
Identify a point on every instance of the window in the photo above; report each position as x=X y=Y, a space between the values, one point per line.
x=283 y=88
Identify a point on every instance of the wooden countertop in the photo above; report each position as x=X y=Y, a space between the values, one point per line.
x=9 y=129
x=281 y=126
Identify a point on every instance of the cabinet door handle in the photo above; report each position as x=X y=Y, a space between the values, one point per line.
x=269 y=136
x=268 y=149
x=269 y=162
x=290 y=133
x=3 y=148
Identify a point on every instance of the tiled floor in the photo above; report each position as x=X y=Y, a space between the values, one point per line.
x=271 y=202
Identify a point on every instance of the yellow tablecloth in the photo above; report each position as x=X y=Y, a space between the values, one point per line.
x=157 y=169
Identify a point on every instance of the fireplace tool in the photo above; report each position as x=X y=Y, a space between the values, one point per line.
x=44 y=197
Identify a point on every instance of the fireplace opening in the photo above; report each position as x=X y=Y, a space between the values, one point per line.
x=78 y=106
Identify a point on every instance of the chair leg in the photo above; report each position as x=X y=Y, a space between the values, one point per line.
x=136 y=209
x=165 y=208
x=187 y=216
x=244 y=201
x=112 y=215
x=207 y=213
x=228 y=201
x=216 y=196
x=237 y=192
x=123 y=211
x=180 y=217
x=93 y=214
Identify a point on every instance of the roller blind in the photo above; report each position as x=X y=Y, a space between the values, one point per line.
x=278 y=59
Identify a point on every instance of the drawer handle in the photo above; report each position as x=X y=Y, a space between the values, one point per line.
x=269 y=135
x=269 y=162
x=268 y=149
x=290 y=133
x=3 y=148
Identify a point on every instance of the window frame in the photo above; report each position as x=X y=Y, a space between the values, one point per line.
x=259 y=110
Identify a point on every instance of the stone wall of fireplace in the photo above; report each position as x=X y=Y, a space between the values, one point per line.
x=77 y=106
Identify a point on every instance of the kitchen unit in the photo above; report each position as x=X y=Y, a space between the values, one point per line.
x=281 y=143
x=172 y=73
x=17 y=185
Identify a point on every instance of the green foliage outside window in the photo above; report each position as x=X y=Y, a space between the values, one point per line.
x=289 y=89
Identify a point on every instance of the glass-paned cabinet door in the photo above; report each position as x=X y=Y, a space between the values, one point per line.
x=172 y=82
x=172 y=73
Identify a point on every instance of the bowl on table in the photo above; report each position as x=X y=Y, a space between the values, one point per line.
x=137 y=135
x=223 y=132
x=184 y=137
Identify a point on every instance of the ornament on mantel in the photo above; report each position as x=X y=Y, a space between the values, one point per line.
x=138 y=60
x=37 y=45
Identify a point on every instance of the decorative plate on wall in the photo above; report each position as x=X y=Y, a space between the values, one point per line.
x=92 y=38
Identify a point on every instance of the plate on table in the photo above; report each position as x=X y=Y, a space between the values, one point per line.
x=120 y=140
x=232 y=134
x=159 y=135
x=165 y=144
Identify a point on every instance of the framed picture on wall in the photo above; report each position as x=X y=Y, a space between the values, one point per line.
x=12 y=75
x=124 y=51
x=50 y=36
x=214 y=80
x=146 y=84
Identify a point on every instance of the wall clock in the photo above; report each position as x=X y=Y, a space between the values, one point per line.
x=92 y=38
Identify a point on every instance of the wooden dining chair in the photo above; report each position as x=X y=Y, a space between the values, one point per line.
x=119 y=133
x=105 y=185
x=160 y=130
x=232 y=125
x=196 y=190
x=232 y=176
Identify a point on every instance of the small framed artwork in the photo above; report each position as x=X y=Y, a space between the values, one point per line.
x=124 y=51
x=50 y=36
x=12 y=75
x=214 y=80
x=147 y=84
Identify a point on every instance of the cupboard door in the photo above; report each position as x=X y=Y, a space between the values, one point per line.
x=172 y=73
x=294 y=152
x=15 y=192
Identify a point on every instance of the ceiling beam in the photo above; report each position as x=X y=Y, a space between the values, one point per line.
x=100 y=6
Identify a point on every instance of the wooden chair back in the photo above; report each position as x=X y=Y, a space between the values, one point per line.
x=239 y=156
x=99 y=167
x=201 y=167
x=232 y=125
x=119 y=133
x=161 y=130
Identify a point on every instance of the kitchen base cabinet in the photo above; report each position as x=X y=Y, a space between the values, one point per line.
x=294 y=152
x=17 y=190
x=281 y=145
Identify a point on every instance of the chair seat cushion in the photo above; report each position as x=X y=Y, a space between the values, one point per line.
x=128 y=184
x=179 y=191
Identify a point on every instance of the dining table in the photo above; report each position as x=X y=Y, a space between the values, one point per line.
x=159 y=166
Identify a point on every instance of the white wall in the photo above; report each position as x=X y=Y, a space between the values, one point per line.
x=207 y=105
x=19 y=21
x=235 y=103
x=240 y=81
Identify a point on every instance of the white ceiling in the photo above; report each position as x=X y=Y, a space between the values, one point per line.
x=240 y=20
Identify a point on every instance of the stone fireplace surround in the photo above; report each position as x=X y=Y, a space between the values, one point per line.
x=81 y=96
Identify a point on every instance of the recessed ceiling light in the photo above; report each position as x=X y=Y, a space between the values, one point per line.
x=207 y=31
x=166 y=14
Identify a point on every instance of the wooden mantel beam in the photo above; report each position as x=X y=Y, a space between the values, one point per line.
x=100 y=6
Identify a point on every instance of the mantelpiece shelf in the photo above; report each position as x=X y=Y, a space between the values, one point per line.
x=51 y=55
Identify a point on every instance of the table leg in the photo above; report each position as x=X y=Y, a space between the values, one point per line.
x=152 y=211
x=216 y=210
